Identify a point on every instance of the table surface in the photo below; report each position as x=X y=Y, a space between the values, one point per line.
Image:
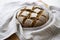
x=13 y=37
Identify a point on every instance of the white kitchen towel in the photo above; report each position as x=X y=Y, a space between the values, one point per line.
x=56 y=12
x=7 y=20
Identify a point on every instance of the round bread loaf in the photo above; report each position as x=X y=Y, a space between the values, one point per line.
x=32 y=16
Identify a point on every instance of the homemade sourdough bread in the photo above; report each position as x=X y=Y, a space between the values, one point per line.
x=32 y=16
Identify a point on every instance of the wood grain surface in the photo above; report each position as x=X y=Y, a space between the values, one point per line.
x=13 y=37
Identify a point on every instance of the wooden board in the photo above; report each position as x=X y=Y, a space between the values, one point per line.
x=13 y=37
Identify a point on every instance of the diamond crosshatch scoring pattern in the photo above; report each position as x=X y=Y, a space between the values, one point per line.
x=32 y=16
